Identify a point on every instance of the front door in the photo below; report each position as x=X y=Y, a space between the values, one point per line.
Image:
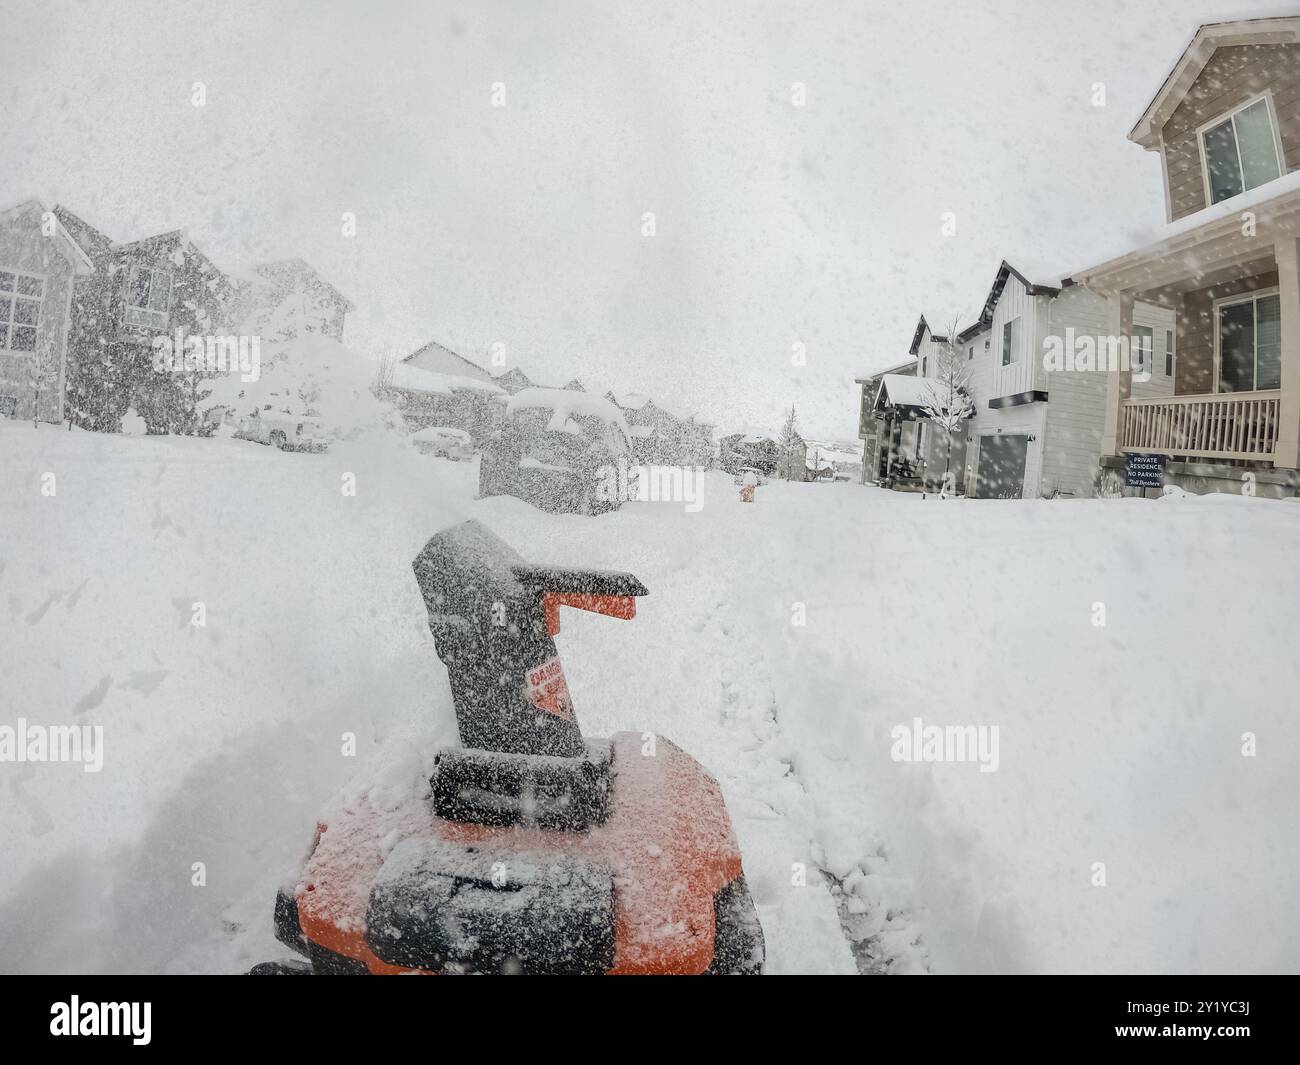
x=1001 y=470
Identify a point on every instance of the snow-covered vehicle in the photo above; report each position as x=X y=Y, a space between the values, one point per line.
x=284 y=430
x=444 y=442
x=749 y=475
x=559 y=450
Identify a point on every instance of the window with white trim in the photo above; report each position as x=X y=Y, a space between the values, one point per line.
x=1011 y=342
x=1250 y=343
x=1240 y=151
x=148 y=296
x=20 y=310
x=1169 y=353
x=1142 y=356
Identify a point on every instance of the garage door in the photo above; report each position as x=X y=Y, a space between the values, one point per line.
x=1001 y=472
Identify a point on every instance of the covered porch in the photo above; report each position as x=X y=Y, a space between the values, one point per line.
x=1234 y=284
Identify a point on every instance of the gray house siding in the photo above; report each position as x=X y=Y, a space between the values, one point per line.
x=1233 y=75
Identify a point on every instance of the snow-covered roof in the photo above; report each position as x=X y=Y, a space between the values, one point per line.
x=751 y=434
x=413 y=379
x=630 y=400
x=1280 y=190
x=907 y=366
x=900 y=390
x=567 y=404
x=440 y=432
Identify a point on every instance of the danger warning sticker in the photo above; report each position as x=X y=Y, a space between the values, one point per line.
x=548 y=690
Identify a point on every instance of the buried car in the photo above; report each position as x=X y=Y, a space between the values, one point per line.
x=556 y=449
x=445 y=442
x=284 y=429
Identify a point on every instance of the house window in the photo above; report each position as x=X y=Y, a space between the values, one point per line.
x=1142 y=357
x=970 y=353
x=1250 y=343
x=148 y=295
x=1011 y=342
x=1169 y=353
x=1240 y=151
x=20 y=310
x=923 y=362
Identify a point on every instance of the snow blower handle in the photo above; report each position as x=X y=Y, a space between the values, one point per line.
x=493 y=617
x=599 y=591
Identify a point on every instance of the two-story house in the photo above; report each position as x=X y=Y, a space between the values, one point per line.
x=1226 y=124
x=1037 y=425
x=1039 y=421
x=39 y=266
x=138 y=291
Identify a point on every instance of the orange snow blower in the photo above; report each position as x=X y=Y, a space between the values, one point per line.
x=535 y=850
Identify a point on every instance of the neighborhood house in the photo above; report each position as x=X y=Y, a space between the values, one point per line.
x=1207 y=317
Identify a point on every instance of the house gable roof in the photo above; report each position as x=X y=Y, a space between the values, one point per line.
x=1207 y=39
x=1005 y=272
x=470 y=369
x=94 y=242
x=921 y=326
x=65 y=242
x=285 y=272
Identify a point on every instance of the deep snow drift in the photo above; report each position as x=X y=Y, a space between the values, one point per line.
x=1119 y=744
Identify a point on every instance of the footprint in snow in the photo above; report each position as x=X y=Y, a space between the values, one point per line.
x=34 y=618
x=94 y=697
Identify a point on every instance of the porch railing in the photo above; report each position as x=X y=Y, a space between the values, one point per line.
x=1234 y=425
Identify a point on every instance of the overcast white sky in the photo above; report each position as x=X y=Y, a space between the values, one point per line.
x=521 y=225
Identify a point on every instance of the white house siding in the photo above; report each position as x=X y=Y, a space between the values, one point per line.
x=1161 y=320
x=1018 y=376
x=1076 y=411
x=25 y=249
x=987 y=379
x=981 y=367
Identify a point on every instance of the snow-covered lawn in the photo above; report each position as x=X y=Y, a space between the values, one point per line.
x=1118 y=744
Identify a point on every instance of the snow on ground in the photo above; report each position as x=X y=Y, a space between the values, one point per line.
x=1118 y=744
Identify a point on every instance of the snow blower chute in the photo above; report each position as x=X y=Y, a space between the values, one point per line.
x=536 y=850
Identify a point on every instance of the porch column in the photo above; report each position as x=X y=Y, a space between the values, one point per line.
x=1287 y=251
x=1119 y=383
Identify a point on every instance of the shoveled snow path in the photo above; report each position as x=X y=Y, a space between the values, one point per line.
x=694 y=667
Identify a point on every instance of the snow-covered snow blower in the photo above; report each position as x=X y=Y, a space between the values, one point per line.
x=536 y=850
